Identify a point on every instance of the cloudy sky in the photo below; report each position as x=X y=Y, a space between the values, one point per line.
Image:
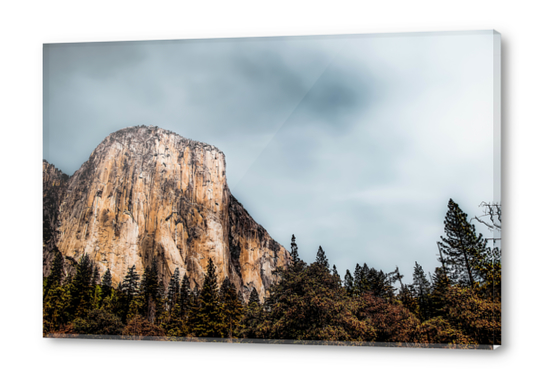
x=354 y=143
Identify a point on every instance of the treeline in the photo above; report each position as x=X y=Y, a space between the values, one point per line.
x=459 y=303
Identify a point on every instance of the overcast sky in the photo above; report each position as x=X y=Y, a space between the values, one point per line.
x=354 y=143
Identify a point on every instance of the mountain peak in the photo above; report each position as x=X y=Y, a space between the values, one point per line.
x=144 y=133
x=147 y=194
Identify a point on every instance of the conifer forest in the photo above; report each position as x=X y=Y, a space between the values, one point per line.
x=457 y=306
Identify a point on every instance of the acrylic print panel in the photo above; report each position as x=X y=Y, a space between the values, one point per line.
x=315 y=190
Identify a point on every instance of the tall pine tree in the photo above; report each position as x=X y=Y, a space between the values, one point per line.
x=254 y=297
x=361 y=279
x=130 y=283
x=173 y=289
x=184 y=296
x=56 y=274
x=107 y=284
x=294 y=253
x=80 y=288
x=321 y=258
x=232 y=308
x=422 y=289
x=95 y=275
x=151 y=289
x=208 y=317
x=462 y=248
x=349 y=283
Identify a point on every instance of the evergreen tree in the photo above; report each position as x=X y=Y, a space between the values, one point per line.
x=177 y=324
x=349 y=283
x=107 y=284
x=439 y=289
x=396 y=276
x=208 y=317
x=96 y=300
x=308 y=305
x=184 y=296
x=80 y=288
x=488 y=271
x=379 y=284
x=254 y=297
x=232 y=308
x=421 y=288
x=95 y=276
x=98 y=322
x=224 y=288
x=151 y=290
x=130 y=283
x=56 y=274
x=55 y=309
x=321 y=258
x=294 y=254
x=128 y=302
x=361 y=279
x=57 y=269
x=463 y=249
x=407 y=299
x=336 y=275
x=249 y=324
x=173 y=289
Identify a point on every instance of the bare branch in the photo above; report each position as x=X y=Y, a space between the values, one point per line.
x=493 y=211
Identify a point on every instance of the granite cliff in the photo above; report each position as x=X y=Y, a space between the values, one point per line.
x=146 y=193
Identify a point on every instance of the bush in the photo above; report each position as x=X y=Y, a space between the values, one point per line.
x=139 y=326
x=98 y=322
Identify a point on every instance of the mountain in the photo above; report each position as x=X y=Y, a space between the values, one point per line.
x=54 y=187
x=147 y=193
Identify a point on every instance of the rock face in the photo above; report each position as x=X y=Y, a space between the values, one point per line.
x=146 y=193
x=54 y=187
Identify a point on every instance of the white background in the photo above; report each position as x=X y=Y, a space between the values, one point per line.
x=25 y=26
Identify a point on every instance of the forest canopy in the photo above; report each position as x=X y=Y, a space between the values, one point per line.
x=459 y=304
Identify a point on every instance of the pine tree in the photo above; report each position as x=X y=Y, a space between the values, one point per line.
x=151 y=290
x=336 y=275
x=208 y=317
x=379 y=284
x=396 y=276
x=173 y=289
x=361 y=279
x=294 y=254
x=56 y=274
x=254 y=297
x=107 y=284
x=462 y=248
x=232 y=309
x=130 y=284
x=97 y=297
x=422 y=288
x=439 y=289
x=80 y=289
x=57 y=269
x=224 y=288
x=128 y=291
x=95 y=275
x=406 y=297
x=55 y=309
x=248 y=326
x=321 y=258
x=184 y=296
x=349 y=283
x=308 y=305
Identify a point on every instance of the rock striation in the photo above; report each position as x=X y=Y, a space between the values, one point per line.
x=147 y=193
x=54 y=186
